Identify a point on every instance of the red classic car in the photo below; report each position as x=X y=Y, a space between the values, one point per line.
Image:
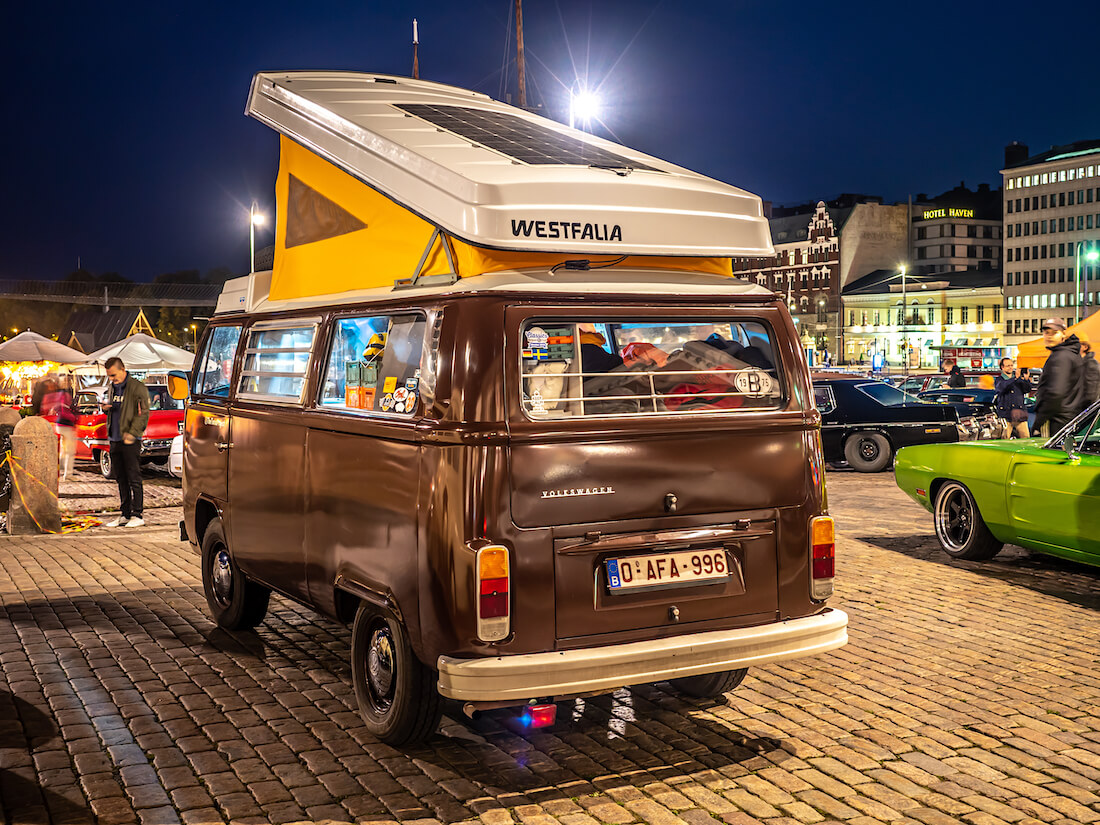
x=165 y=423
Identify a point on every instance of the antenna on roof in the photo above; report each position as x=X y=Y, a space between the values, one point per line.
x=416 y=60
x=519 y=55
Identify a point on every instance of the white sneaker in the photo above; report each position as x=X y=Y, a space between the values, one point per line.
x=136 y=522
x=118 y=522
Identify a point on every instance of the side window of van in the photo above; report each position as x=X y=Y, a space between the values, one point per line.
x=376 y=364
x=276 y=358
x=651 y=366
x=214 y=367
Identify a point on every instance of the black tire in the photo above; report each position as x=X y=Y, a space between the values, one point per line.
x=960 y=528
x=868 y=452
x=235 y=602
x=397 y=694
x=105 y=463
x=709 y=685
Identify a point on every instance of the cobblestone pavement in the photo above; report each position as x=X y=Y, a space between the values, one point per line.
x=89 y=492
x=969 y=693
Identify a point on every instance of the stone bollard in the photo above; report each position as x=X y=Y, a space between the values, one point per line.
x=34 y=466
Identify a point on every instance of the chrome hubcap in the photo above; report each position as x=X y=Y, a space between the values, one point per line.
x=954 y=519
x=380 y=666
x=222 y=577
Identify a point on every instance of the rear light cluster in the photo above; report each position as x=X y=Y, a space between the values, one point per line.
x=822 y=557
x=493 y=593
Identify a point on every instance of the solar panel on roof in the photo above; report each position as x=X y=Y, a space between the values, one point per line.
x=518 y=138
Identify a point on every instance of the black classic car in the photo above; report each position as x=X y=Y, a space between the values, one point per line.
x=864 y=421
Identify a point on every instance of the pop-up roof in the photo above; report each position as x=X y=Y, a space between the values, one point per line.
x=480 y=185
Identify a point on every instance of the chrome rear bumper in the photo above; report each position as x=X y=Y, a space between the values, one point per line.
x=602 y=669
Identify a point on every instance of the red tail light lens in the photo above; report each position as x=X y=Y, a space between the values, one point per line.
x=493 y=593
x=822 y=557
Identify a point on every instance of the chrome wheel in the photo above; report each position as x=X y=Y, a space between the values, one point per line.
x=222 y=577
x=380 y=668
x=954 y=518
x=960 y=528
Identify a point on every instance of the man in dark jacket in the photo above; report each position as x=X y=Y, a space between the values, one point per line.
x=1058 y=396
x=1090 y=374
x=955 y=378
x=127 y=408
x=1011 y=388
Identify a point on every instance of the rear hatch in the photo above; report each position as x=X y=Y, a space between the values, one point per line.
x=659 y=492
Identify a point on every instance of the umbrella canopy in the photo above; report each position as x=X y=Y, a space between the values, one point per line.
x=144 y=352
x=30 y=346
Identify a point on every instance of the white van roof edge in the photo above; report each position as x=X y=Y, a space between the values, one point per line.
x=250 y=293
x=385 y=131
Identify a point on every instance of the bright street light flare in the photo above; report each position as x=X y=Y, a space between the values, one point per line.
x=584 y=106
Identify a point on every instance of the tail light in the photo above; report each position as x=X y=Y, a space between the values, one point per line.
x=493 y=596
x=822 y=557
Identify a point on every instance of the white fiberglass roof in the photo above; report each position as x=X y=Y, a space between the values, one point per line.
x=501 y=177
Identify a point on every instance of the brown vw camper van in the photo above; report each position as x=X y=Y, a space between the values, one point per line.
x=532 y=448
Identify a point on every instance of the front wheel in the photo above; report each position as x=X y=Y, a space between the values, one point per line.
x=397 y=694
x=960 y=528
x=868 y=452
x=709 y=685
x=235 y=602
x=105 y=463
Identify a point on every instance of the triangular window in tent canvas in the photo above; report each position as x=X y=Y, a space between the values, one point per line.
x=313 y=217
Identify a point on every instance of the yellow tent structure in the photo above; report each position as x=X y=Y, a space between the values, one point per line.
x=329 y=222
x=1033 y=354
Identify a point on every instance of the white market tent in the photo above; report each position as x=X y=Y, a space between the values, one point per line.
x=30 y=346
x=143 y=353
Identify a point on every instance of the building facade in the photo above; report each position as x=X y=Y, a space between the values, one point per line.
x=818 y=248
x=1052 y=224
x=957 y=230
x=913 y=319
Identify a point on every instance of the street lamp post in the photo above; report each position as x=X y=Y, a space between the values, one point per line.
x=255 y=218
x=1091 y=255
x=904 y=321
x=194 y=338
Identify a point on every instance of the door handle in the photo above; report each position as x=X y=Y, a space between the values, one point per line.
x=223 y=445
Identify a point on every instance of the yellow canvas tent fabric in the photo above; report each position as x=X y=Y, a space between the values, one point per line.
x=1033 y=354
x=333 y=233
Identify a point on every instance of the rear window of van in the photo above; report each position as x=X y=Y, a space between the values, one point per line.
x=647 y=367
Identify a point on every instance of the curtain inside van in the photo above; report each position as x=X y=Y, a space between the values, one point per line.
x=333 y=233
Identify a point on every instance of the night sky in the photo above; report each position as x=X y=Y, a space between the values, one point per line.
x=125 y=145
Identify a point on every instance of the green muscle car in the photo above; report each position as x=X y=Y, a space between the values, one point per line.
x=1042 y=495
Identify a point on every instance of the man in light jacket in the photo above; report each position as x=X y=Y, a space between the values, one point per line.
x=127 y=408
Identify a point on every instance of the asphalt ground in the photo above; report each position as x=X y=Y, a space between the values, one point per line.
x=968 y=693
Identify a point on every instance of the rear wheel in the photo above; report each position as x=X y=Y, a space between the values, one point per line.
x=397 y=694
x=105 y=463
x=961 y=531
x=868 y=452
x=235 y=602
x=709 y=685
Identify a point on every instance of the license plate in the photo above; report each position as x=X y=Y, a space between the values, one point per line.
x=682 y=568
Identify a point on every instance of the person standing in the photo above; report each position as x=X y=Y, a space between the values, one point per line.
x=59 y=404
x=955 y=378
x=1011 y=388
x=1090 y=375
x=127 y=408
x=1058 y=396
